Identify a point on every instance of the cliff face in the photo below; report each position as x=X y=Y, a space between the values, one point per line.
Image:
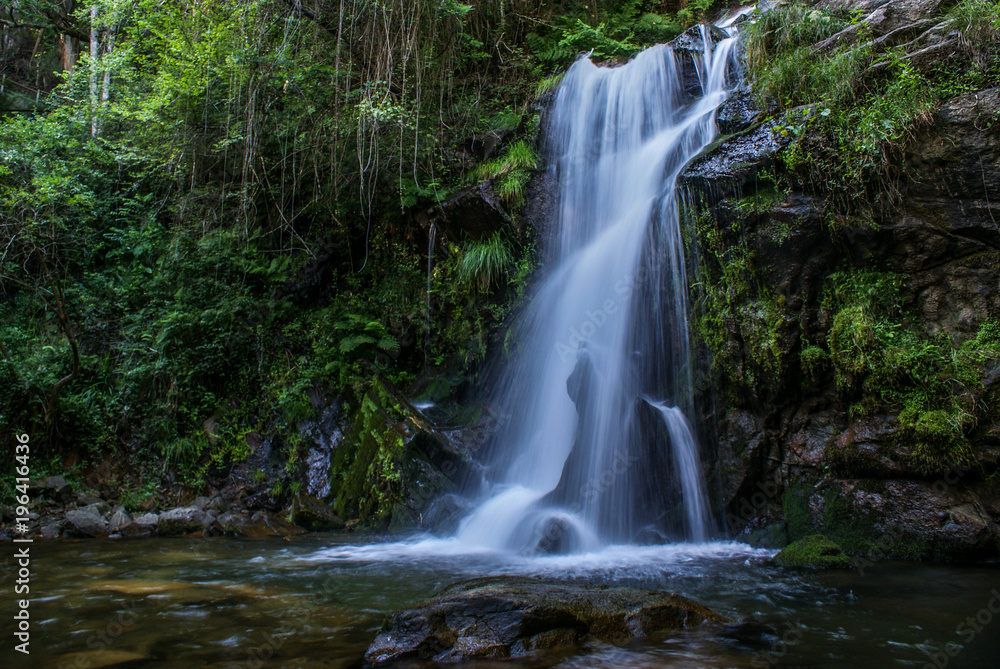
x=852 y=367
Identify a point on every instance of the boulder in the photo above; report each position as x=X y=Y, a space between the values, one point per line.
x=119 y=521
x=738 y=112
x=141 y=526
x=475 y=212
x=502 y=617
x=53 y=487
x=312 y=514
x=184 y=520
x=86 y=522
x=814 y=552
x=736 y=159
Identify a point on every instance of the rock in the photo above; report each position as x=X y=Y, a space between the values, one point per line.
x=688 y=48
x=142 y=526
x=501 y=617
x=326 y=433
x=947 y=519
x=445 y=513
x=84 y=499
x=53 y=487
x=738 y=112
x=880 y=17
x=264 y=524
x=870 y=448
x=86 y=522
x=816 y=552
x=184 y=520
x=312 y=514
x=201 y=502
x=233 y=523
x=52 y=529
x=120 y=521
x=735 y=160
x=475 y=213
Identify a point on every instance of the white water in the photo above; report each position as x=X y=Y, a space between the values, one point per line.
x=685 y=452
x=577 y=464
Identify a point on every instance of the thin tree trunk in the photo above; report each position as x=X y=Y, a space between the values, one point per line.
x=94 y=49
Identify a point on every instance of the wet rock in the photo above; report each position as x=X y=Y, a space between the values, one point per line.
x=86 y=522
x=737 y=159
x=908 y=519
x=505 y=617
x=312 y=514
x=814 y=552
x=233 y=523
x=142 y=526
x=120 y=521
x=688 y=48
x=264 y=524
x=52 y=529
x=738 y=112
x=184 y=520
x=870 y=448
x=445 y=513
x=326 y=433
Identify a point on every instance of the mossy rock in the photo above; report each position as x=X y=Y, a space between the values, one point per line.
x=816 y=552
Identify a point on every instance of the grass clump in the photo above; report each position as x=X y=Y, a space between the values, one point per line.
x=486 y=263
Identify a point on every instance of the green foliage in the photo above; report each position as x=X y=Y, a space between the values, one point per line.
x=487 y=262
x=883 y=362
x=978 y=22
x=366 y=479
x=609 y=31
x=867 y=102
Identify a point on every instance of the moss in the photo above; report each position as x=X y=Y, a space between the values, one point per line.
x=816 y=552
x=366 y=471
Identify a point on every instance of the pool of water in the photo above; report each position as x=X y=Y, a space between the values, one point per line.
x=319 y=600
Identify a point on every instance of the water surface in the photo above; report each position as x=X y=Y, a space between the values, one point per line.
x=318 y=601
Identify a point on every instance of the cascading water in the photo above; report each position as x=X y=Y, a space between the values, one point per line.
x=582 y=456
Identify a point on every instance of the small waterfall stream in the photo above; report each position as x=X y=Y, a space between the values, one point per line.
x=582 y=457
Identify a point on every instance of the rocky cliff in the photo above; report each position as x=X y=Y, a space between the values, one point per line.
x=850 y=350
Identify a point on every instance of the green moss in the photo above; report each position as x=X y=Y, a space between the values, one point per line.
x=884 y=362
x=814 y=551
x=366 y=470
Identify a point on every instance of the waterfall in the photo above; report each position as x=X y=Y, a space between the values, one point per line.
x=582 y=458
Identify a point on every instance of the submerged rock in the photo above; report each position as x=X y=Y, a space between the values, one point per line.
x=507 y=616
x=816 y=552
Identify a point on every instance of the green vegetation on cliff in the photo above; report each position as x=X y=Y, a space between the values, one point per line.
x=220 y=211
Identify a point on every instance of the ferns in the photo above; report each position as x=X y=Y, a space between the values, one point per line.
x=364 y=332
x=485 y=263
